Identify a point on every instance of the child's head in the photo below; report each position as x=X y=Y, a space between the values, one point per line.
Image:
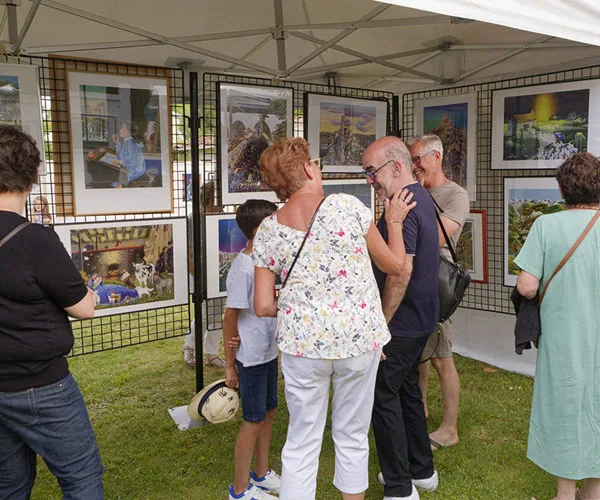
x=40 y=205
x=251 y=214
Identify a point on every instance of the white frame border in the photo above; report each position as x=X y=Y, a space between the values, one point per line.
x=129 y=200
x=471 y=100
x=227 y=197
x=312 y=130
x=498 y=97
x=180 y=274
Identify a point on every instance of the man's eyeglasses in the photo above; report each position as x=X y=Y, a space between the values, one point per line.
x=417 y=159
x=368 y=172
x=318 y=162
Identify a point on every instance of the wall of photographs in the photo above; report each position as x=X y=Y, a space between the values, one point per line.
x=504 y=140
x=242 y=116
x=111 y=187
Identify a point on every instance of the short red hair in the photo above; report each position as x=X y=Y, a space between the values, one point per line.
x=282 y=166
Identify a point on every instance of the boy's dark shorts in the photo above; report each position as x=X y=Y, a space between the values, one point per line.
x=258 y=389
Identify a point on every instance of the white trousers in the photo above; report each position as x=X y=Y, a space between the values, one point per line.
x=212 y=339
x=307 y=383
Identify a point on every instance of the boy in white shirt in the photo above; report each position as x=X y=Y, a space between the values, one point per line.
x=253 y=367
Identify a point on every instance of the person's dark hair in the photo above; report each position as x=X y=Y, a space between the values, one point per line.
x=579 y=179
x=19 y=161
x=251 y=214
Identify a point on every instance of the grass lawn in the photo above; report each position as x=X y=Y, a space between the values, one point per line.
x=129 y=390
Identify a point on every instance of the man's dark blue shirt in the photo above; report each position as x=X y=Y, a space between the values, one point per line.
x=418 y=313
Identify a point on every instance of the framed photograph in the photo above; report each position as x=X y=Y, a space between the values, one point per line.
x=525 y=199
x=251 y=118
x=356 y=187
x=20 y=104
x=454 y=120
x=130 y=266
x=339 y=129
x=187 y=187
x=542 y=126
x=120 y=138
x=472 y=246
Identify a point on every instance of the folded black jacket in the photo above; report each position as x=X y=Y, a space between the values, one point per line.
x=528 y=326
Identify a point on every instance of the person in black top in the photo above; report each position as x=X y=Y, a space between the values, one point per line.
x=411 y=308
x=41 y=408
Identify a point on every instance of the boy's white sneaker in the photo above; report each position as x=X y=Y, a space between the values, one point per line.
x=271 y=481
x=251 y=493
x=428 y=484
x=413 y=496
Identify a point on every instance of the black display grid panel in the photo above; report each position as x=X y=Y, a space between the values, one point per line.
x=492 y=296
x=208 y=157
x=117 y=330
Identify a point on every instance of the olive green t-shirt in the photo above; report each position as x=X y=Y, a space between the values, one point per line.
x=454 y=201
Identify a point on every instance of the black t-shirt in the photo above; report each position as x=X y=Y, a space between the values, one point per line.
x=418 y=313
x=37 y=281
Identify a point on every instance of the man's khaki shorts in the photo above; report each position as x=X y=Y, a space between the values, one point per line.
x=439 y=344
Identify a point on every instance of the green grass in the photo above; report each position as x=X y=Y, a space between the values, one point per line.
x=129 y=390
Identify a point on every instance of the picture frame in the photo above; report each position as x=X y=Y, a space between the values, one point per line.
x=356 y=187
x=339 y=129
x=250 y=118
x=539 y=127
x=130 y=265
x=453 y=119
x=120 y=138
x=20 y=103
x=472 y=246
x=525 y=199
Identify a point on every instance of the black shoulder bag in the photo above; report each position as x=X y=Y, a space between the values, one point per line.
x=454 y=278
x=14 y=232
x=302 y=244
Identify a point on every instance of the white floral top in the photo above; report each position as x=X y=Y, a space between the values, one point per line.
x=330 y=307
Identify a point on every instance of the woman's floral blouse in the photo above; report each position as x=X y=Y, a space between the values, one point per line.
x=330 y=307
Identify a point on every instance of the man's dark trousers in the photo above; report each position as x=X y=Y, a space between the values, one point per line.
x=399 y=422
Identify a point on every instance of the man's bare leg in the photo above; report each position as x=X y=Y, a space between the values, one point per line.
x=447 y=433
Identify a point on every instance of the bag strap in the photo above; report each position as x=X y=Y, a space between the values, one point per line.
x=439 y=219
x=302 y=245
x=571 y=251
x=14 y=232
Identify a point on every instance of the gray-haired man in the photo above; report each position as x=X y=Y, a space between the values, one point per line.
x=427 y=153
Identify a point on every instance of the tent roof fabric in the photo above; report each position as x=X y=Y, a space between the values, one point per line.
x=572 y=20
x=366 y=44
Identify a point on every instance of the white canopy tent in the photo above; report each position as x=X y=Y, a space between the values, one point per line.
x=358 y=43
x=355 y=43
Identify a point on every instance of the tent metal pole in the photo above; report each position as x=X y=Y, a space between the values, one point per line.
x=340 y=36
x=26 y=25
x=497 y=60
x=365 y=59
x=411 y=65
x=197 y=297
x=533 y=45
x=363 y=24
x=279 y=35
x=254 y=50
x=153 y=36
x=13 y=32
x=3 y=21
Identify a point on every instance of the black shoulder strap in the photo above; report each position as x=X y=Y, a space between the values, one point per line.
x=439 y=219
x=302 y=244
x=14 y=232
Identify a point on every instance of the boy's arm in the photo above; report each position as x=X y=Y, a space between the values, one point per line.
x=230 y=330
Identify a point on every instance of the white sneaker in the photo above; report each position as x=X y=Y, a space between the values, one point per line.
x=413 y=496
x=428 y=484
x=271 y=481
x=251 y=493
